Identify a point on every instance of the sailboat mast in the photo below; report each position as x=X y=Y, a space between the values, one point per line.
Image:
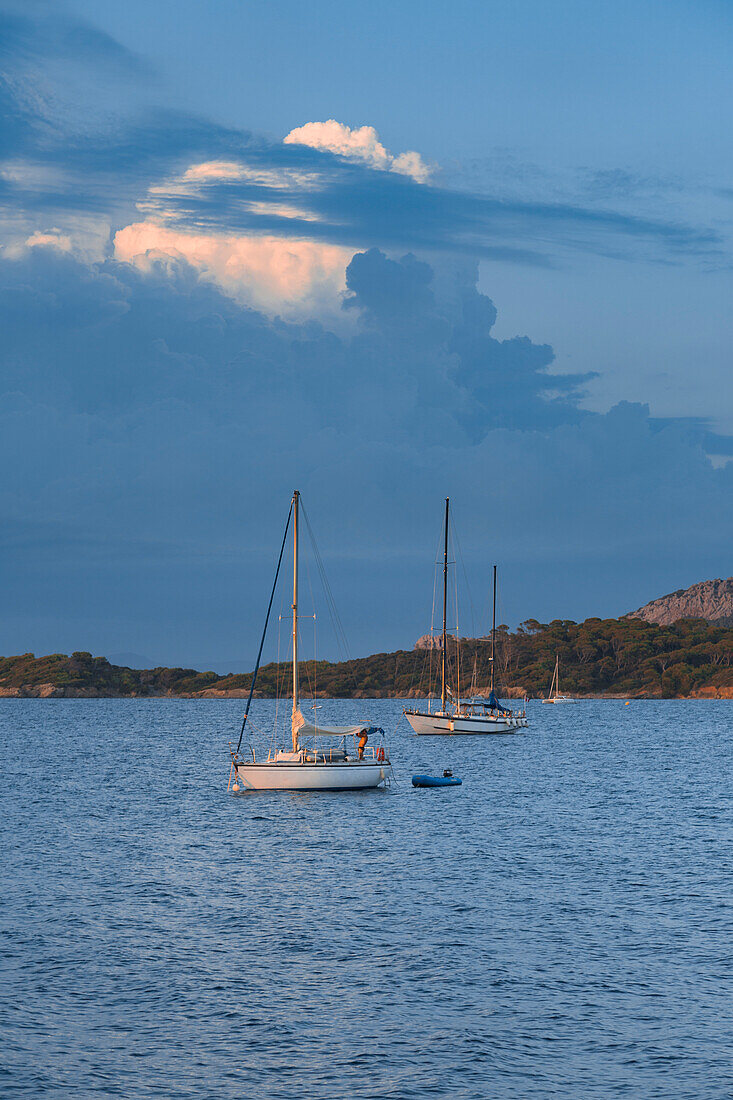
x=296 y=498
x=445 y=603
x=493 y=632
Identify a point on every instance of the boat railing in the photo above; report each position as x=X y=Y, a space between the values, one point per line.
x=378 y=754
x=476 y=708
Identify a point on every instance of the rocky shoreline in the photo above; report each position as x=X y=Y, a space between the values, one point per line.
x=52 y=691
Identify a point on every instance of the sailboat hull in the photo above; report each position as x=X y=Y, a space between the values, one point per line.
x=451 y=724
x=352 y=776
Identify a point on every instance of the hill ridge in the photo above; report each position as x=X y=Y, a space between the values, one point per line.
x=711 y=600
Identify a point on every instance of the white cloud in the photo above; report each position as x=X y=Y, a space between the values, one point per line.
x=31 y=175
x=86 y=238
x=160 y=202
x=292 y=277
x=53 y=239
x=362 y=144
x=216 y=171
x=282 y=210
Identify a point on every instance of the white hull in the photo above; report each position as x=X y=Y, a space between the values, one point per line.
x=354 y=776
x=560 y=699
x=424 y=724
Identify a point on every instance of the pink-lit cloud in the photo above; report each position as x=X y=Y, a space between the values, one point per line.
x=54 y=238
x=288 y=275
x=362 y=143
x=216 y=171
x=277 y=275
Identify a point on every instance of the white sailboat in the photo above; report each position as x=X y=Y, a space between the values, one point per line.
x=470 y=716
x=344 y=763
x=555 y=695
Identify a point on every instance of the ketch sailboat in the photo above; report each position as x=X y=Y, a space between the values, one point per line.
x=555 y=696
x=345 y=764
x=474 y=715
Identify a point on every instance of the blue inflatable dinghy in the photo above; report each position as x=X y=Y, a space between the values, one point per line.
x=447 y=779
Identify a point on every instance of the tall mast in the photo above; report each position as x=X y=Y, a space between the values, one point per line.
x=445 y=603
x=296 y=497
x=493 y=633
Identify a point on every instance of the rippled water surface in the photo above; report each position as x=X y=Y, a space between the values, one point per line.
x=560 y=925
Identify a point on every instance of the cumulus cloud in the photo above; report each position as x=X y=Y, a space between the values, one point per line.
x=291 y=277
x=103 y=154
x=54 y=239
x=163 y=426
x=362 y=144
x=156 y=414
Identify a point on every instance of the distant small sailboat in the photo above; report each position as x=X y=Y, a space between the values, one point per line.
x=309 y=766
x=555 y=696
x=471 y=716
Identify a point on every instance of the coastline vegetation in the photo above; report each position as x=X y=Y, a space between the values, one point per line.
x=614 y=657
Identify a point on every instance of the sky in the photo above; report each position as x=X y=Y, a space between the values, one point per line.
x=382 y=253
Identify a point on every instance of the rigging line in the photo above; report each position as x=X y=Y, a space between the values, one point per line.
x=330 y=602
x=342 y=643
x=282 y=671
x=315 y=659
x=436 y=565
x=256 y=728
x=278 y=680
x=315 y=668
x=316 y=554
x=417 y=679
x=457 y=665
x=307 y=667
x=339 y=632
x=425 y=659
x=503 y=643
x=458 y=635
x=310 y=669
x=264 y=630
x=457 y=542
x=428 y=659
x=421 y=660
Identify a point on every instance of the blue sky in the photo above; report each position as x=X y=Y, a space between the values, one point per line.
x=380 y=252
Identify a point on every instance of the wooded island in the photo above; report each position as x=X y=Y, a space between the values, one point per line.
x=612 y=657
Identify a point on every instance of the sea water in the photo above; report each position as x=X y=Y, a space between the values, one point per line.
x=558 y=926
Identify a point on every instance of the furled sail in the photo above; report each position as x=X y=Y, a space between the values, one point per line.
x=306 y=729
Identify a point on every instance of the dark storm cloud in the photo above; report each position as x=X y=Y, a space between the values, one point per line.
x=102 y=336
x=154 y=430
